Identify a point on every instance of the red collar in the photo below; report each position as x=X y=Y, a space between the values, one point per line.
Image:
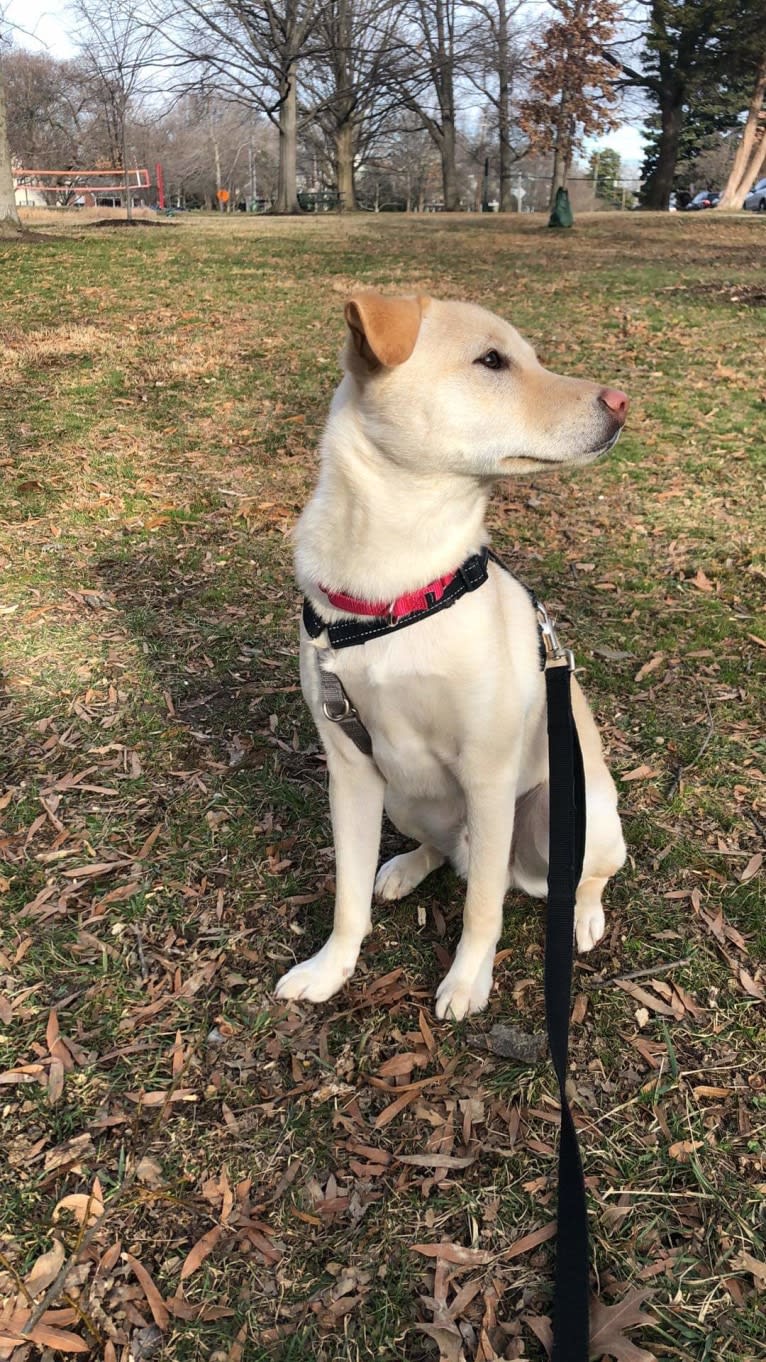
x=422 y=599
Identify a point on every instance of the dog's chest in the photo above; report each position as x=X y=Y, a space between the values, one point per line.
x=415 y=726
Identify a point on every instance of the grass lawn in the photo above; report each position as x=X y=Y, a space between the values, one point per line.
x=230 y=1178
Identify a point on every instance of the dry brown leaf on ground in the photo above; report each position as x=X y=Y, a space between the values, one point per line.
x=82 y=1205
x=745 y=1262
x=579 y=1009
x=43 y=1335
x=541 y=1328
x=237 y=1350
x=454 y=1253
x=649 y=667
x=642 y=772
x=153 y=1296
x=443 y=1330
x=436 y=1160
x=22 y=1075
x=393 y=1109
x=55 y=1081
x=646 y=999
x=45 y=1270
x=449 y=1340
x=752 y=867
x=752 y=987
x=530 y=1241
x=701 y=581
x=683 y=1148
x=201 y=1249
x=609 y=1322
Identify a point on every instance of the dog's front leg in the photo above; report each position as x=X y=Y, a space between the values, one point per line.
x=356 y=808
x=490 y=807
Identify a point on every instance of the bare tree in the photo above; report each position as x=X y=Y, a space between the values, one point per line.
x=401 y=168
x=250 y=51
x=352 y=82
x=9 y=215
x=495 y=62
x=116 y=49
x=429 y=63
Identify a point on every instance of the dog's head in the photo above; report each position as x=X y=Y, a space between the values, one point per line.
x=449 y=385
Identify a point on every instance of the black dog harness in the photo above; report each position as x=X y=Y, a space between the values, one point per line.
x=565 y=859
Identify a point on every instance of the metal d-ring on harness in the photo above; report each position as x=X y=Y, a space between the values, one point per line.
x=337 y=707
x=571 y=1329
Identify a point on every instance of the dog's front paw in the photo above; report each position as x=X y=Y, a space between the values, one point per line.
x=459 y=995
x=316 y=980
x=589 y=926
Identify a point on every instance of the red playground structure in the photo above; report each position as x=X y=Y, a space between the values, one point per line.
x=88 y=188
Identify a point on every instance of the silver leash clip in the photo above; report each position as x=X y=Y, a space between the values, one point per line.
x=554 y=653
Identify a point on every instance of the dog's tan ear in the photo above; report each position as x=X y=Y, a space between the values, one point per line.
x=383 y=330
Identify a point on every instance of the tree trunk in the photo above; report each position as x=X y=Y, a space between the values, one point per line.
x=287 y=177
x=9 y=217
x=447 y=147
x=751 y=152
x=217 y=158
x=503 y=111
x=562 y=153
x=344 y=167
x=659 y=184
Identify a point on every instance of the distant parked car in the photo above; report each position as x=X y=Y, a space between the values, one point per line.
x=756 y=199
x=706 y=198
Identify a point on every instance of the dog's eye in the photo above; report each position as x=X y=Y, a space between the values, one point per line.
x=492 y=360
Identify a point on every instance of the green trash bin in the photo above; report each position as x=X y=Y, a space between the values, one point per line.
x=561 y=215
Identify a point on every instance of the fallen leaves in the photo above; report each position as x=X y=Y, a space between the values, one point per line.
x=15 y=1318
x=752 y=868
x=608 y=1324
x=745 y=1262
x=702 y=581
x=197 y=1255
x=156 y=1303
x=642 y=772
x=71 y=1154
x=648 y=667
x=86 y=1208
x=45 y=1270
x=453 y=1253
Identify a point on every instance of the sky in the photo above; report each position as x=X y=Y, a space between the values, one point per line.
x=44 y=25
x=41 y=25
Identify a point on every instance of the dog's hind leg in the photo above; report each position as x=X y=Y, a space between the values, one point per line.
x=604 y=854
x=399 y=876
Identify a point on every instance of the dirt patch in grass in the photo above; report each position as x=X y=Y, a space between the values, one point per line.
x=131 y=222
x=739 y=295
x=230 y=1178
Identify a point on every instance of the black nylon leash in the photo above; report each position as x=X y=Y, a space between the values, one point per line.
x=571 y=1328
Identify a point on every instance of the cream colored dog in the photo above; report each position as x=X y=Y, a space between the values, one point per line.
x=439 y=399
